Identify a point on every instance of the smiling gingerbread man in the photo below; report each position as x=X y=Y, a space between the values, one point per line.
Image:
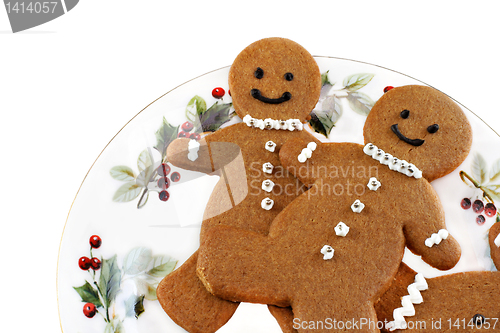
x=274 y=84
x=336 y=249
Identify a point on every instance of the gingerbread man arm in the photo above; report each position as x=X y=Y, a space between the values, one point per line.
x=237 y=265
x=206 y=155
x=425 y=229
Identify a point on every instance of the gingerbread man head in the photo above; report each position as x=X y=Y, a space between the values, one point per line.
x=416 y=124
x=274 y=78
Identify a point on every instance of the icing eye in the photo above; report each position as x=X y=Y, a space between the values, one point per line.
x=289 y=76
x=259 y=73
x=405 y=114
x=433 y=128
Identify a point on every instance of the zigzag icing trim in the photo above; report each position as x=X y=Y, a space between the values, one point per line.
x=392 y=162
x=437 y=238
x=407 y=301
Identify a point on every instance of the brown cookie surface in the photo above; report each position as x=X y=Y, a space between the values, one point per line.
x=494 y=249
x=421 y=125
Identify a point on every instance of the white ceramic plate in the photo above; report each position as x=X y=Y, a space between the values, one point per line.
x=141 y=245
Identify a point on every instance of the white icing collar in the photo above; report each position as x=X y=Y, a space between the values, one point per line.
x=268 y=123
x=392 y=162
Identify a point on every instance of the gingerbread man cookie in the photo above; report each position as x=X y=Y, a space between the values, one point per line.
x=336 y=249
x=274 y=83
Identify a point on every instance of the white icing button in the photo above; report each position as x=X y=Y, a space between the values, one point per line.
x=497 y=241
x=394 y=165
x=270 y=146
x=369 y=149
x=357 y=206
x=327 y=252
x=308 y=152
x=267 y=185
x=341 y=229
x=387 y=159
x=283 y=124
x=259 y=123
x=374 y=184
x=267 y=167
x=302 y=158
x=312 y=146
x=267 y=203
x=268 y=123
x=417 y=174
x=193 y=147
x=378 y=155
x=300 y=126
x=437 y=238
x=403 y=166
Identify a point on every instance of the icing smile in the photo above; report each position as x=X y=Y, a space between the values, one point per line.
x=257 y=95
x=413 y=142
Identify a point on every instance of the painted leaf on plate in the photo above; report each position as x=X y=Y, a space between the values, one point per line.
x=145 y=176
x=123 y=173
x=145 y=160
x=360 y=102
x=146 y=285
x=164 y=136
x=114 y=326
x=134 y=306
x=89 y=294
x=217 y=115
x=127 y=192
x=110 y=279
x=195 y=107
x=137 y=260
x=162 y=266
x=495 y=172
x=479 y=169
x=493 y=191
x=357 y=81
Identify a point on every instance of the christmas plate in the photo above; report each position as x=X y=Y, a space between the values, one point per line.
x=125 y=232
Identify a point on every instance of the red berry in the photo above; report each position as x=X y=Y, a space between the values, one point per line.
x=89 y=310
x=96 y=263
x=183 y=134
x=478 y=206
x=386 y=89
x=218 y=92
x=84 y=263
x=187 y=126
x=229 y=92
x=480 y=219
x=465 y=203
x=164 y=195
x=164 y=183
x=95 y=241
x=490 y=210
x=175 y=176
x=195 y=136
x=163 y=169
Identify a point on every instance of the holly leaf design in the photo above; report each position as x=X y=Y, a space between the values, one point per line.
x=89 y=294
x=325 y=80
x=110 y=279
x=322 y=121
x=195 y=107
x=479 y=169
x=217 y=115
x=495 y=172
x=137 y=260
x=122 y=173
x=164 y=136
x=357 y=81
x=360 y=102
x=127 y=192
x=114 y=326
x=134 y=306
x=162 y=266
x=493 y=191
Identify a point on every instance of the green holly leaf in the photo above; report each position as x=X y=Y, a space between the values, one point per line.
x=479 y=169
x=164 y=136
x=127 y=192
x=134 y=306
x=137 y=260
x=195 y=108
x=321 y=123
x=360 y=102
x=357 y=81
x=89 y=294
x=324 y=79
x=217 y=115
x=122 y=173
x=162 y=266
x=110 y=279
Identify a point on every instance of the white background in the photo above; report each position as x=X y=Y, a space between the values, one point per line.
x=68 y=86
